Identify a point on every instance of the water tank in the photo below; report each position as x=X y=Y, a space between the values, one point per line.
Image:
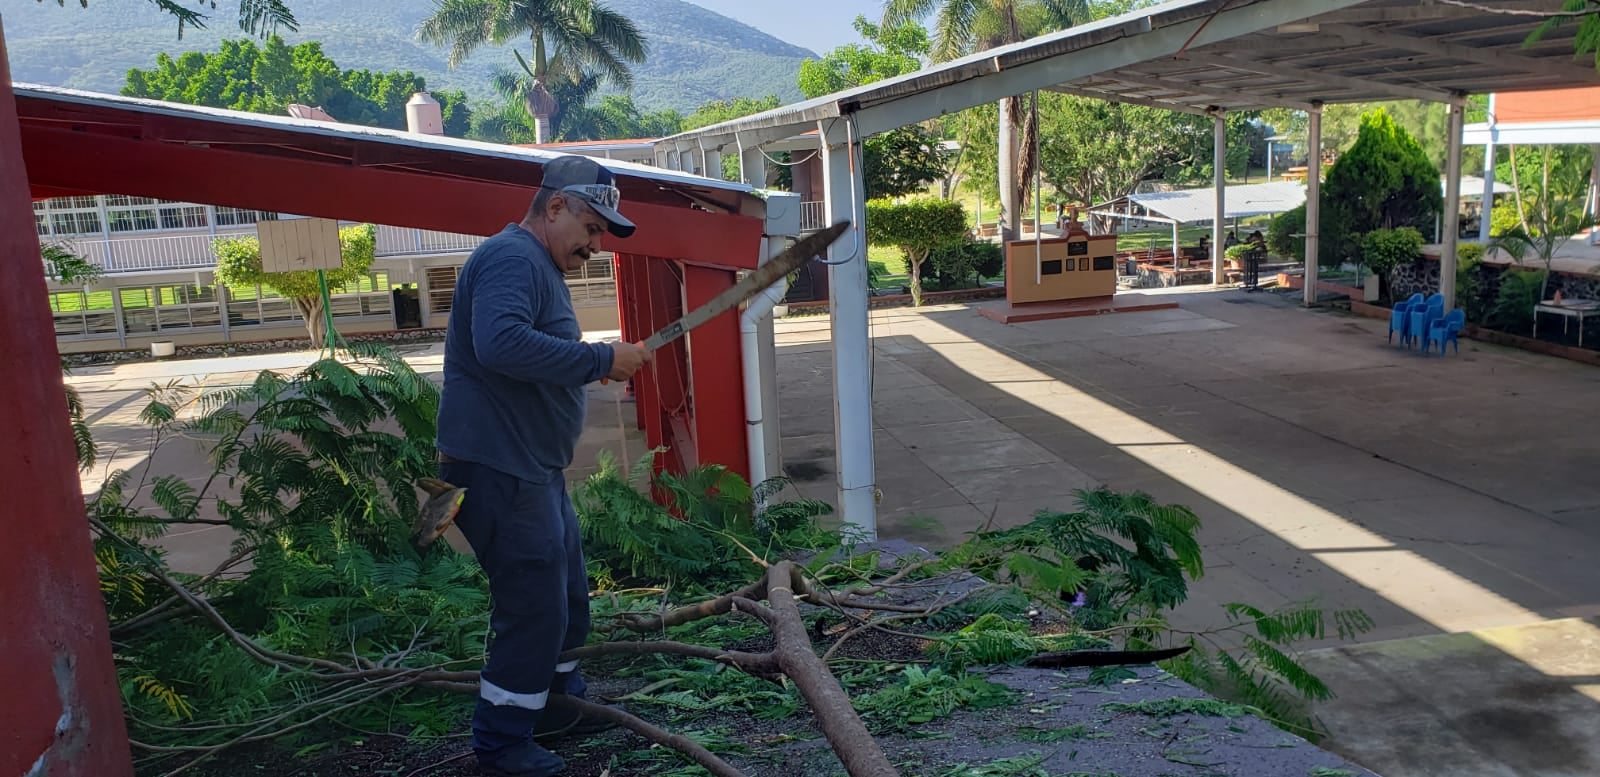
x=423 y=115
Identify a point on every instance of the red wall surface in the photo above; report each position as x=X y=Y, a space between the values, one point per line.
x=61 y=712
x=1581 y=104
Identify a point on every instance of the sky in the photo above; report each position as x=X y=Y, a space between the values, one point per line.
x=818 y=25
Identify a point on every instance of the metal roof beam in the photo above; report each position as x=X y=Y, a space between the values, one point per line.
x=1424 y=11
x=1111 y=97
x=1129 y=49
x=1466 y=53
x=1324 y=78
x=1247 y=97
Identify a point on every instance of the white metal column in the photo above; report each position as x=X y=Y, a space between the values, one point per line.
x=852 y=346
x=1219 y=170
x=1594 y=191
x=1313 y=198
x=1452 y=208
x=1488 y=178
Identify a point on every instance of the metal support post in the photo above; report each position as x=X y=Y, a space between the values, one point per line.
x=1452 y=208
x=1488 y=179
x=1313 y=198
x=1219 y=170
x=852 y=346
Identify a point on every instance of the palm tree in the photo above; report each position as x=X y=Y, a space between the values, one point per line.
x=962 y=27
x=572 y=40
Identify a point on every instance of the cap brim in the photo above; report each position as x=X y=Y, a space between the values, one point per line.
x=616 y=223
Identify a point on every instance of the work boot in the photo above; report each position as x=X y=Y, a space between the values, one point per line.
x=524 y=760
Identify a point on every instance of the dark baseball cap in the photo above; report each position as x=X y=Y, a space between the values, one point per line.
x=582 y=177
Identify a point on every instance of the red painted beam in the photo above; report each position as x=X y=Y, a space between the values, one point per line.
x=715 y=359
x=63 y=712
x=62 y=159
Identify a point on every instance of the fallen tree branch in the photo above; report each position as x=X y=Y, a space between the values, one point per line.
x=835 y=714
x=718 y=606
x=763 y=665
x=865 y=624
x=694 y=750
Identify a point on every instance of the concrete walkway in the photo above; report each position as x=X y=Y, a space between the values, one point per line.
x=1442 y=496
x=1439 y=495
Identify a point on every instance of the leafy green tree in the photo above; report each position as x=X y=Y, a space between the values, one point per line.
x=1382 y=250
x=1551 y=209
x=917 y=227
x=1384 y=181
x=572 y=40
x=244 y=77
x=239 y=267
x=1586 y=14
x=963 y=27
x=888 y=51
x=901 y=161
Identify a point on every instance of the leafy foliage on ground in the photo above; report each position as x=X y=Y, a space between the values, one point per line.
x=314 y=473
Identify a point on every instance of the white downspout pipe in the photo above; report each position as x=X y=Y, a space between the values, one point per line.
x=755 y=411
x=782 y=223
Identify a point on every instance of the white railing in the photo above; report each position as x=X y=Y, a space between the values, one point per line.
x=813 y=216
x=194 y=252
x=403 y=241
x=173 y=252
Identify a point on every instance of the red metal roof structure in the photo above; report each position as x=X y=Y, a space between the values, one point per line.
x=694 y=235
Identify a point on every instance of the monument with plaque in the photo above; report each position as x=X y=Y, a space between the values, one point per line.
x=1075 y=266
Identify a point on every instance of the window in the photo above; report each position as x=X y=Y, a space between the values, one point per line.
x=83 y=315
x=442 y=288
x=184 y=217
x=367 y=297
x=233 y=217
x=139 y=214
x=86 y=222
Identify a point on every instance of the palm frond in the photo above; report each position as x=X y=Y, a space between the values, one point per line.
x=266 y=17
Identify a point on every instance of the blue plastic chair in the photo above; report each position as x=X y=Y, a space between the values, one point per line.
x=1397 y=317
x=1421 y=320
x=1446 y=329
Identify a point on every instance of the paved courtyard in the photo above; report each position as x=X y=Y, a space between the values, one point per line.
x=1444 y=496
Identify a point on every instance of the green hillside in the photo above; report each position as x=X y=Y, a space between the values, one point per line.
x=696 y=56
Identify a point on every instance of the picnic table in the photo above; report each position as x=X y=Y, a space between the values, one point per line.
x=1567 y=309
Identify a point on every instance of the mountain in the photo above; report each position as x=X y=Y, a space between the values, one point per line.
x=696 y=55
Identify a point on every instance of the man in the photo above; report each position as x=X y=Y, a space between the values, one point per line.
x=515 y=368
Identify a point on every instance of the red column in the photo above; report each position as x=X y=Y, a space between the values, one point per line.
x=717 y=416
x=63 y=711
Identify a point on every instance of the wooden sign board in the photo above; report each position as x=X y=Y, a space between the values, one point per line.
x=292 y=245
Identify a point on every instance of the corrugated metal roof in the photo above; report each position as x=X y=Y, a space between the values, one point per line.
x=1190 y=205
x=1338 y=52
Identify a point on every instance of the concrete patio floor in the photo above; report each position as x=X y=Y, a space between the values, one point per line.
x=1441 y=495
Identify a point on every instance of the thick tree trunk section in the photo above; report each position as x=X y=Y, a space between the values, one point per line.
x=310 y=309
x=857 y=750
x=1006 y=169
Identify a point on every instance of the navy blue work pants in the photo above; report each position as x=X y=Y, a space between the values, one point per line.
x=525 y=536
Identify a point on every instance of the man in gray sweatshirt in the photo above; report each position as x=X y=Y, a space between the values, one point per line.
x=515 y=368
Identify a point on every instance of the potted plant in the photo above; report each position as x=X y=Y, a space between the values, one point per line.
x=1235 y=255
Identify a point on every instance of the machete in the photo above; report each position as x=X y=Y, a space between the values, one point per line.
x=438 y=512
x=756 y=282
